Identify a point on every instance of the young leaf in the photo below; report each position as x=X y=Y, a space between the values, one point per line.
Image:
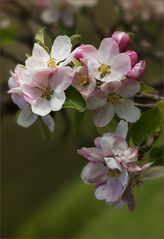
x=40 y=36
x=157 y=155
x=75 y=40
x=78 y=117
x=74 y=100
x=146 y=125
x=147 y=88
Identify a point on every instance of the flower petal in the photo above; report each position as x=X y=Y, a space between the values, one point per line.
x=61 y=48
x=126 y=110
x=112 y=163
x=122 y=129
x=107 y=50
x=96 y=101
x=26 y=117
x=120 y=64
x=92 y=154
x=129 y=88
x=19 y=100
x=104 y=115
x=61 y=78
x=94 y=173
x=57 y=100
x=41 y=106
x=49 y=122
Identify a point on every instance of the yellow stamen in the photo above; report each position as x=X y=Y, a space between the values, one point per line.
x=113 y=98
x=84 y=80
x=47 y=92
x=51 y=63
x=104 y=70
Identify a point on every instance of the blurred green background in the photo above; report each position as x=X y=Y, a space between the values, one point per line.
x=42 y=194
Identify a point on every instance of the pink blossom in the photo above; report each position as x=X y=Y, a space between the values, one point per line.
x=114 y=97
x=122 y=40
x=105 y=64
x=46 y=90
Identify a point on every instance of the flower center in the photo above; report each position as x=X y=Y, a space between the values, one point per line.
x=51 y=63
x=84 y=80
x=114 y=172
x=47 y=92
x=104 y=70
x=113 y=98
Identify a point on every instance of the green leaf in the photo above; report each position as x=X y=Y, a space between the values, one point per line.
x=78 y=117
x=75 y=40
x=146 y=125
x=157 y=155
x=40 y=36
x=74 y=100
x=109 y=128
x=147 y=88
x=160 y=106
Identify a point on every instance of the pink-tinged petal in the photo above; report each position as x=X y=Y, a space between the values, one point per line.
x=26 y=117
x=137 y=71
x=41 y=106
x=40 y=78
x=132 y=167
x=57 y=100
x=126 y=110
x=61 y=48
x=97 y=142
x=112 y=163
x=49 y=122
x=153 y=172
x=94 y=173
x=120 y=64
x=89 y=53
x=96 y=101
x=129 y=88
x=107 y=50
x=19 y=100
x=99 y=193
x=111 y=87
x=122 y=129
x=113 y=76
x=61 y=78
x=92 y=154
x=40 y=53
x=133 y=57
x=30 y=91
x=116 y=186
x=102 y=116
x=122 y=40
x=13 y=81
x=16 y=90
x=130 y=155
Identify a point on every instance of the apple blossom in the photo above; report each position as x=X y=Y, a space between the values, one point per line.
x=105 y=64
x=41 y=59
x=114 y=97
x=137 y=70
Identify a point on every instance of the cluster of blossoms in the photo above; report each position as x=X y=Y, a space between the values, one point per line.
x=107 y=79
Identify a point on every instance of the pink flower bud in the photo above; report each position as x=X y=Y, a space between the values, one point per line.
x=137 y=71
x=122 y=40
x=133 y=57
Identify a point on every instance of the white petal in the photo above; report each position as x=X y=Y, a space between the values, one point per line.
x=49 y=122
x=26 y=117
x=103 y=116
x=122 y=129
x=107 y=50
x=113 y=163
x=99 y=193
x=126 y=110
x=153 y=172
x=120 y=64
x=96 y=102
x=19 y=100
x=41 y=106
x=129 y=88
x=57 y=101
x=61 y=48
